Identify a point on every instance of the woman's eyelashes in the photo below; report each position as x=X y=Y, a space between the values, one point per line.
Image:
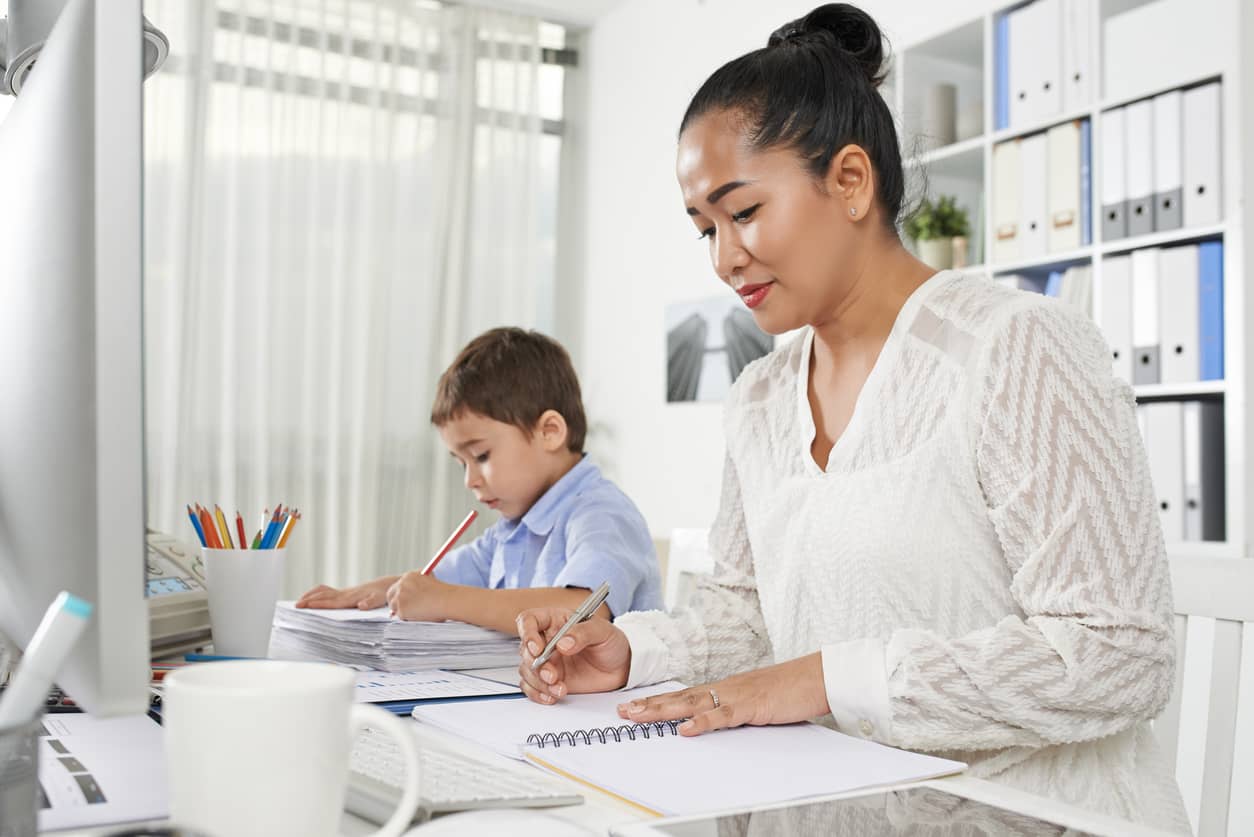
x=738 y=218
x=481 y=457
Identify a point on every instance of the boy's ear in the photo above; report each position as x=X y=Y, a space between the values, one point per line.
x=552 y=431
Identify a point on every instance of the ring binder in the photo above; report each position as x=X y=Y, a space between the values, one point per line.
x=604 y=735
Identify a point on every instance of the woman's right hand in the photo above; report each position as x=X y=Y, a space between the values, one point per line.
x=366 y=596
x=594 y=656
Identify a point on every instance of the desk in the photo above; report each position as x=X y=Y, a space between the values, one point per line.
x=600 y=812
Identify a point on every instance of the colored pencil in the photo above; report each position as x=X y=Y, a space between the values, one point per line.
x=227 y=543
x=239 y=529
x=448 y=544
x=200 y=533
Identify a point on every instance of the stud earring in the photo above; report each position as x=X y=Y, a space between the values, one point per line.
x=853 y=211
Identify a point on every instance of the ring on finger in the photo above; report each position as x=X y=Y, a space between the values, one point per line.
x=714 y=697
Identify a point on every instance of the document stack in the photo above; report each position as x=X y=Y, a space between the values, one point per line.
x=375 y=640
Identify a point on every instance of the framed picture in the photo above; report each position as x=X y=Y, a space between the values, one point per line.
x=708 y=343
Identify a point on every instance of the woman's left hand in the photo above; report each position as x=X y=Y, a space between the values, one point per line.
x=779 y=694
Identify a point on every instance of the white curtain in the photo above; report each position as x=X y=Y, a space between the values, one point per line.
x=338 y=196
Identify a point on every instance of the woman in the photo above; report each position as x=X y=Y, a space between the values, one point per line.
x=937 y=522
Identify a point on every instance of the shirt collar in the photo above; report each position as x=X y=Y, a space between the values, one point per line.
x=543 y=514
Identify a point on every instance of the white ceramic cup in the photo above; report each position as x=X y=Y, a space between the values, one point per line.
x=243 y=589
x=256 y=748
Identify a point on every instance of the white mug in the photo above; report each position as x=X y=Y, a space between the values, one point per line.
x=243 y=588
x=261 y=747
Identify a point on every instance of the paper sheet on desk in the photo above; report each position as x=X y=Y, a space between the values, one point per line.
x=733 y=768
x=381 y=686
x=101 y=771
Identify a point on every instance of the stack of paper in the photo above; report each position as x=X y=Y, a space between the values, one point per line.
x=373 y=639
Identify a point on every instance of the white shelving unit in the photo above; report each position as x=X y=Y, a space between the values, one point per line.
x=963 y=55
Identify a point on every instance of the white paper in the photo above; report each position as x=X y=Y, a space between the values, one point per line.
x=504 y=725
x=379 y=686
x=739 y=767
x=117 y=762
x=374 y=640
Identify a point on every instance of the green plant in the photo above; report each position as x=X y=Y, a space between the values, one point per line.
x=943 y=219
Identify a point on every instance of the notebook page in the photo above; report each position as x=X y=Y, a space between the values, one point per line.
x=738 y=767
x=504 y=726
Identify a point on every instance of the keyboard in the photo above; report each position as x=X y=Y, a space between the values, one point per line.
x=450 y=781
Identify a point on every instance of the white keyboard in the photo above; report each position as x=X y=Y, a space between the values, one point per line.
x=450 y=782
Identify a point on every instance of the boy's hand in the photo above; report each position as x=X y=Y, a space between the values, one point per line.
x=417 y=598
x=594 y=656
x=366 y=596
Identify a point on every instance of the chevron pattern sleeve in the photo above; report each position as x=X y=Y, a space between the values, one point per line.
x=719 y=630
x=1066 y=481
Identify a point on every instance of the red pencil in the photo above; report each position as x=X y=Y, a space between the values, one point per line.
x=448 y=544
x=239 y=527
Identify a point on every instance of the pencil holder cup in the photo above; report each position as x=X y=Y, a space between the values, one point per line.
x=243 y=589
x=19 y=779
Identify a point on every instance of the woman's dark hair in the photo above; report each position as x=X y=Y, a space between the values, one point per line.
x=813 y=88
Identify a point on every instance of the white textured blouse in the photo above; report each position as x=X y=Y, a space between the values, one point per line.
x=980 y=561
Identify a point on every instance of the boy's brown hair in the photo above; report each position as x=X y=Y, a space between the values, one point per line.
x=513 y=376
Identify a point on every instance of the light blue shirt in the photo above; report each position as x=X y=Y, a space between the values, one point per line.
x=581 y=532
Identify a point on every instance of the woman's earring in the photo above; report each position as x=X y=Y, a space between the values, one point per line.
x=853 y=211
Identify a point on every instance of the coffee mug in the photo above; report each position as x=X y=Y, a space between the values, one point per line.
x=261 y=747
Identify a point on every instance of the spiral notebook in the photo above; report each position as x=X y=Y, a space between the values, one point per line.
x=653 y=768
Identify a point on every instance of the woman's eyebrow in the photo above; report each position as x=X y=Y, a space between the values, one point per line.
x=720 y=193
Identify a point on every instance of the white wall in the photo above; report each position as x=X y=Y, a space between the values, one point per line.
x=643 y=61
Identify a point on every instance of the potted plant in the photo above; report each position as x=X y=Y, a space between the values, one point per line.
x=934 y=227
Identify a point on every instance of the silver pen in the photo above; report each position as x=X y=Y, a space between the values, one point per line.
x=582 y=613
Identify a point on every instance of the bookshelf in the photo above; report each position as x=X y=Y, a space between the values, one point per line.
x=964 y=55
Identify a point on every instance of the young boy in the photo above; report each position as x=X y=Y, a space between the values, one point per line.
x=509 y=410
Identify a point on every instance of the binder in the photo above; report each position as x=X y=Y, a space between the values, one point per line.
x=1168 y=161
x=1115 y=313
x=1203 y=155
x=1204 y=495
x=1138 y=160
x=1164 y=442
x=1046 y=67
x=1145 y=324
x=1210 y=281
x=1053 y=284
x=1114 y=182
x=1064 y=187
x=1020 y=47
x=1021 y=282
x=1077 y=53
x=1086 y=182
x=1178 y=295
x=1001 y=81
x=1033 y=186
x=1007 y=204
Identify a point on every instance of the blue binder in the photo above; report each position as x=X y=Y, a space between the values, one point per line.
x=1001 y=79
x=1210 y=308
x=1053 y=285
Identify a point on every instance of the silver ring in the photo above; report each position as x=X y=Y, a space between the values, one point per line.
x=714 y=696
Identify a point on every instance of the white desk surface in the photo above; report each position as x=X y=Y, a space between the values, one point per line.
x=600 y=812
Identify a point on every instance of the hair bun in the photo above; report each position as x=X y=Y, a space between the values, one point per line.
x=843 y=26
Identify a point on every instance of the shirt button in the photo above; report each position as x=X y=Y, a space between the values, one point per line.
x=865 y=727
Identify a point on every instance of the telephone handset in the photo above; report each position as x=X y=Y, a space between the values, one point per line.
x=178 y=606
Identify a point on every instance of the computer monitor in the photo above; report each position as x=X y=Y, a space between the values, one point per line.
x=71 y=369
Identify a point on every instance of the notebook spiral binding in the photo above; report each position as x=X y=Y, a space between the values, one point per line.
x=605 y=735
